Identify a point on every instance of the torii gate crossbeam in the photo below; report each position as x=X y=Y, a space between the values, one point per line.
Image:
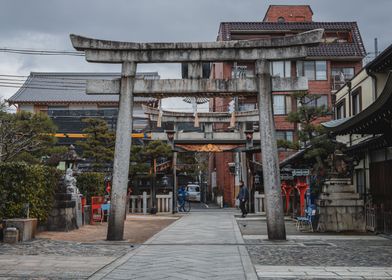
x=258 y=51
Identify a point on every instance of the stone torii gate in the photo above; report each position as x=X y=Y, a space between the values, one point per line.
x=130 y=54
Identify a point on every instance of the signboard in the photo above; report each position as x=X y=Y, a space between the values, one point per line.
x=300 y=172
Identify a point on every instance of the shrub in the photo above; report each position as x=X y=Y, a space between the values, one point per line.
x=91 y=184
x=33 y=184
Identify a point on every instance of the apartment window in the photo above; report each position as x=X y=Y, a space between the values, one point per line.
x=356 y=101
x=316 y=101
x=246 y=106
x=285 y=135
x=341 y=110
x=281 y=69
x=346 y=72
x=281 y=104
x=239 y=72
x=313 y=70
x=340 y=76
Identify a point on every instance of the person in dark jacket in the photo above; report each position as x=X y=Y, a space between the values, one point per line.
x=181 y=197
x=243 y=197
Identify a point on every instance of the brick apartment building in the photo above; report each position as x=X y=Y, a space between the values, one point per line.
x=327 y=67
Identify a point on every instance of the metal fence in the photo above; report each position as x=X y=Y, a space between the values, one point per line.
x=378 y=219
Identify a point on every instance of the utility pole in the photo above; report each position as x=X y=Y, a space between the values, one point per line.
x=269 y=151
x=122 y=153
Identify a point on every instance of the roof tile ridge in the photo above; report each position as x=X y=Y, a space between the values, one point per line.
x=20 y=91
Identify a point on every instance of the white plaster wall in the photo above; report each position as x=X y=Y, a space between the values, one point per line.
x=26 y=107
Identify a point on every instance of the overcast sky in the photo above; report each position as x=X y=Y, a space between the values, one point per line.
x=46 y=24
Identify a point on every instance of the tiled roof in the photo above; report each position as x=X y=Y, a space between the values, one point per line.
x=354 y=49
x=41 y=87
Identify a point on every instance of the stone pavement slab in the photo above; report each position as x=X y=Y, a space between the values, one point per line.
x=201 y=245
x=51 y=266
x=323 y=272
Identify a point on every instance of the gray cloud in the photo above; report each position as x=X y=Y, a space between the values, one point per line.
x=46 y=24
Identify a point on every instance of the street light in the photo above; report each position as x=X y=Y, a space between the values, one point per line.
x=165 y=180
x=170 y=138
x=257 y=179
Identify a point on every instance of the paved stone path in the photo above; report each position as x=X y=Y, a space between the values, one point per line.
x=201 y=245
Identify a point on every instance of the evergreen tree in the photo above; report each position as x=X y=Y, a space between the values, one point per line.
x=99 y=143
x=311 y=134
x=139 y=166
x=25 y=136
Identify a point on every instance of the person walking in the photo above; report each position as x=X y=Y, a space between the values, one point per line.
x=243 y=197
x=181 y=196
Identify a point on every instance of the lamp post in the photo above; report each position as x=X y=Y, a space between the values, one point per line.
x=257 y=179
x=165 y=180
x=170 y=137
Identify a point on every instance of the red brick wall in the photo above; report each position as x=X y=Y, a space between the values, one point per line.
x=224 y=179
x=291 y=13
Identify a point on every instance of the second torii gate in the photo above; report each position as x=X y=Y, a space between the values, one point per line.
x=130 y=54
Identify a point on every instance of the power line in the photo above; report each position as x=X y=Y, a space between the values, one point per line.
x=15 y=86
x=42 y=81
x=41 y=52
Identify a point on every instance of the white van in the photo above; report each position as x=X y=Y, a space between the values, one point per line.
x=193 y=192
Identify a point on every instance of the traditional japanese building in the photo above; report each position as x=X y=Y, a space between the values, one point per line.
x=327 y=67
x=363 y=118
x=63 y=97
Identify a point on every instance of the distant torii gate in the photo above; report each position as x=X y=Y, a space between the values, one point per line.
x=129 y=54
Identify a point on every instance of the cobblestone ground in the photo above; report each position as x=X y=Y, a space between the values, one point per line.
x=63 y=248
x=317 y=256
x=48 y=259
x=323 y=253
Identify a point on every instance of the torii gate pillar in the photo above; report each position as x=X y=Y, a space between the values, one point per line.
x=269 y=152
x=122 y=153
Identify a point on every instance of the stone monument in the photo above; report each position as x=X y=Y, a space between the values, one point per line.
x=70 y=184
x=341 y=207
x=63 y=216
